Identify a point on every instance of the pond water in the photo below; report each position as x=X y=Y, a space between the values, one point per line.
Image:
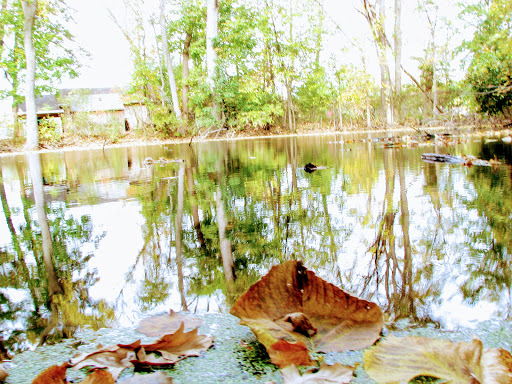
x=105 y=238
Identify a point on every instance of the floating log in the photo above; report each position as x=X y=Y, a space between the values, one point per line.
x=442 y=158
x=468 y=160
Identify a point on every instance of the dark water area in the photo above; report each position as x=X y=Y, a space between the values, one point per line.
x=105 y=238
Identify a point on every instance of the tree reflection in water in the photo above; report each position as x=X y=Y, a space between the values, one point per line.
x=46 y=261
x=379 y=223
x=489 y=262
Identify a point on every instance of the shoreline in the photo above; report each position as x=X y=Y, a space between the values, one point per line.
x=96 y=145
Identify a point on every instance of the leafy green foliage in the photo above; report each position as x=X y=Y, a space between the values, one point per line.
x=55 y=50
x=490 y=72
x=49 y=131
x=315 y=95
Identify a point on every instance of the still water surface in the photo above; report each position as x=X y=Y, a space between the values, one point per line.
x=103 y=238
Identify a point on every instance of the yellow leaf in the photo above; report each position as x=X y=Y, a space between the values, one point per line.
x=396 y=360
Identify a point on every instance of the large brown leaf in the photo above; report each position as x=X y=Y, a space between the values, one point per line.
x=176 y=346
x=164 y=324
x=114 y=358
x=396 y=360
x=335 y=374
x=291 y=303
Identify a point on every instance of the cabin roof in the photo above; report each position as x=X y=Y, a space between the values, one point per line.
x=77 y=100
x=45 y=105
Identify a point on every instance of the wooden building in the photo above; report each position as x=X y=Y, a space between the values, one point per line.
x=100 y=106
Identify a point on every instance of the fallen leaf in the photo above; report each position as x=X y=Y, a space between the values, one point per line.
x=293 y=304
x=159 y=325
x=152 y=378
x=99 y=376
x=3 y=373
x=114 y=358
x=496 y=366
x=172 y=348
x=55 y=374
x=178 y=345
x=144 y=360
x=282 y=353
x=336 y=374
x=397 y=359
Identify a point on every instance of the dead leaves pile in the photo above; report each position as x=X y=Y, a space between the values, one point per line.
x=107 y=363
x=294 y=313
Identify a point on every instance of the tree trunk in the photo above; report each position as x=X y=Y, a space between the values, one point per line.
x=376 y=20
x=54 y=286
x=29 y=11
x=289 y=105
x=179 y=235
x=432 y=21
x=160 y=66
x=186 y=73
x=225 y=243
x=434 y=75
x=168 y=63
x=398 y=60
x=407 y=283
x=20 y=265
x=212 y=32
x=194 y=206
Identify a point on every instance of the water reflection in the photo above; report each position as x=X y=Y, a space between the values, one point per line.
x=45 y=277
x=97 y=238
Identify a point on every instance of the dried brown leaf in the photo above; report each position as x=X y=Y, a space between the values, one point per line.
x=3 y=373
x=99 y=376
x=144 y=360
x=282 y=353
x=55 y=374
x=496 y=366
x=396 y=360
x=174 y=347
x=159 y=325
x=335 y=374
x=152 y=378
x=114 y=358
x=293 y=304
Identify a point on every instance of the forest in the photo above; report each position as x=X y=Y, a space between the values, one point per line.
x=239 y=64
